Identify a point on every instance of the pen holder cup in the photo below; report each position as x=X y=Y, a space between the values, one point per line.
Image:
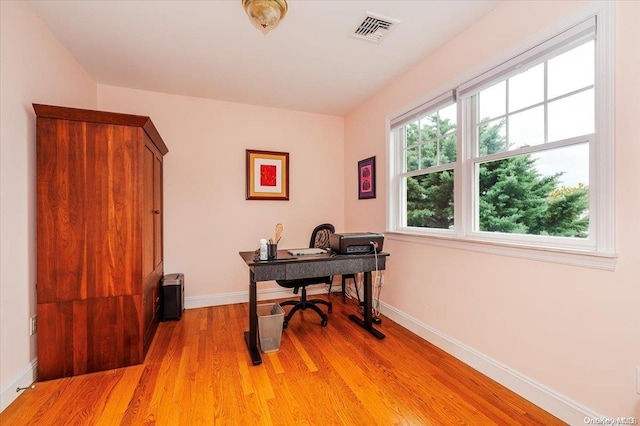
x=272 y=251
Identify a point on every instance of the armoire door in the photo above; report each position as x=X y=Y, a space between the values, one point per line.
x=152 y=244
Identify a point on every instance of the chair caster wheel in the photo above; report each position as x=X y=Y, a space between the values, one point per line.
x=330 y=308
x=324 y=321
x=285 y=324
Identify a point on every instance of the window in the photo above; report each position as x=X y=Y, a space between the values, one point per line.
x=519 y=156
x=530 y=148
x=429 y=152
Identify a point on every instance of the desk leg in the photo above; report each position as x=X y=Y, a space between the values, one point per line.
x=251 y=336
x=367 y=324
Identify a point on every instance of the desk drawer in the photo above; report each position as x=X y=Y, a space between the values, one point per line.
x=268 y=272
x=337 y=266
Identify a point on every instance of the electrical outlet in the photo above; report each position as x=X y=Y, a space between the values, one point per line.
x=33 y=325
x=638 y=379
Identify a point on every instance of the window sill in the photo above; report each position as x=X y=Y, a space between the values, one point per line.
x=584 y=259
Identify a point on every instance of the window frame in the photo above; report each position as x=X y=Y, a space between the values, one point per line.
x=599 y=251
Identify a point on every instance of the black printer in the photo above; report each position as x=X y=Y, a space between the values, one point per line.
x=356 y=243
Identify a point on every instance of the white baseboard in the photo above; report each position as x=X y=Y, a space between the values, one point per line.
x=549 y=400
x=10 y=393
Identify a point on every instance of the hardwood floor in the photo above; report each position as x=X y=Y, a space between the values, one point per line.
x=198 y=372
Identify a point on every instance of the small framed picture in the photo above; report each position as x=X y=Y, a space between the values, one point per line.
x=367 y=178
x=267 y=175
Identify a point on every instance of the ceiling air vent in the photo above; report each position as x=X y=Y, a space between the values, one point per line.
x=374 y=28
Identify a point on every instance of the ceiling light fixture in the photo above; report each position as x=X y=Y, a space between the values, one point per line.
x=265 y=14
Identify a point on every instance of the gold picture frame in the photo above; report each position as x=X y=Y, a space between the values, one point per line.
x=267 y=175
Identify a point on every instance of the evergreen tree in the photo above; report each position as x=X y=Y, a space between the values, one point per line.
x=430 y=200
x=514 y=197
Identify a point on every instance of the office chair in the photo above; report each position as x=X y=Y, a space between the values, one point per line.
x=319 y=239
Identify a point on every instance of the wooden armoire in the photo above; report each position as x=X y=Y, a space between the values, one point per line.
x=99 y=239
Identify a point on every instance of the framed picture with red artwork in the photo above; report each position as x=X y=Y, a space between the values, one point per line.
x=367 y=178
x=267 y=175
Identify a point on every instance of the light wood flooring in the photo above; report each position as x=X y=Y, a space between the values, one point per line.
x=198 y=372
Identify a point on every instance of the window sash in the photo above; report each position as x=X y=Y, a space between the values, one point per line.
x=470 y=122
x=472 y=215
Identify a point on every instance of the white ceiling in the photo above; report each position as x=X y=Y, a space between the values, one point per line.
x=210 y=49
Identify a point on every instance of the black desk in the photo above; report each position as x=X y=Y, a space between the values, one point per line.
x=287 y=267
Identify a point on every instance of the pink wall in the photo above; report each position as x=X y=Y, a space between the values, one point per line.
x=35 y=69
x=572 y=330
x=207 y=219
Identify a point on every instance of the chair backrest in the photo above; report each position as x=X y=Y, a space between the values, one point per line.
x=320 y=236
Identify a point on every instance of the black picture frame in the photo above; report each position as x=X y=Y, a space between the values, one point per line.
x=367 y=178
